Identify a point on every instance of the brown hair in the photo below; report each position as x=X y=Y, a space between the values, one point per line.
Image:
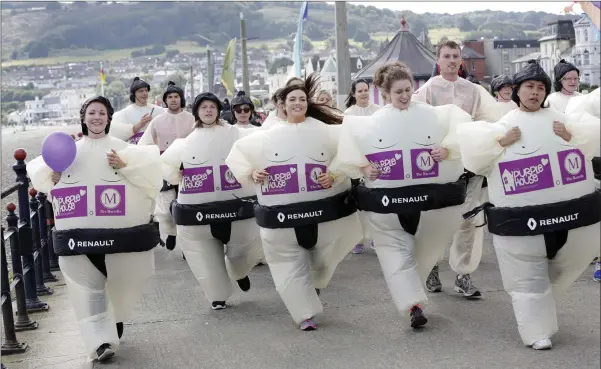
x=274 y=97
x=381 y=72
x=320 y=112
x=390 y=73
x=448 y=43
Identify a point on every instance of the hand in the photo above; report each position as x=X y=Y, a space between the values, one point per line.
x=56 y=177
x=372 y=173
x=510 y=137
x=560 y=130
x=114 y=160
x=325 y=180
x=142 y=123
x=259 y=176
x=439 y=153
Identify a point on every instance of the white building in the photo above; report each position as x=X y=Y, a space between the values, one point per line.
x=72 y=100
x=35 y=111
x=586 y=53
x=558 y=39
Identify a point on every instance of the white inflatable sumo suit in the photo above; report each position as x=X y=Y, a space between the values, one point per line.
x=398 y=142
x=294 y=154
x=163 y=131
x=126 y=118
x=529 y=184
x=103 y=213
x=363 y=112
x=207 y=210
x=272 y=120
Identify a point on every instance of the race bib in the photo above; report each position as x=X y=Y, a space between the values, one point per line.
x=197 y=180
x=228 y=181
x=110 y=201
x=135 y=138
x=571 y=166
x=283 y=179
x=312 y=172
x=526 y=175
x=70 y=202
x=422 y=164
x=390 y=164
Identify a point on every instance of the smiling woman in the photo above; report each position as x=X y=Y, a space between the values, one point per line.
x=102 y=204
x=409 y=158
x=303 y=207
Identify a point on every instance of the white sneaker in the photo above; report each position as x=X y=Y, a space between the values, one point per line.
x=542 y=344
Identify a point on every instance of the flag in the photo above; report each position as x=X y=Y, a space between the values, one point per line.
x=298 y=40
x=102 y=76
x=227 y=75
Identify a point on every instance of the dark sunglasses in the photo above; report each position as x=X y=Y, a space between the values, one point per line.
x=242 y=110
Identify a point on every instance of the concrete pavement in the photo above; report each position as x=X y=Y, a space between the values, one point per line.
x=174 y=327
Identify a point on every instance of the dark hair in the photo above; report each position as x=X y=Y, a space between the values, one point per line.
x=447 y=43
x=320 y=112
x=531 y=72
x=292 y=79
x=84 y=107
x=350 y=99
x=274 y=97
x=473 y=80
x=389 y=74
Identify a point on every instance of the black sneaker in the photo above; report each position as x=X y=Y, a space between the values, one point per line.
x=418 y=318
x=120 y=329
x=433 y=282
x=218 y=305
x=318 y=291
x=170 y=244
x=105 y=352
x=244 y=283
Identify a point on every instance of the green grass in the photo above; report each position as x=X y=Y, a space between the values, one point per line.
x=188 y=47
x=452 y=34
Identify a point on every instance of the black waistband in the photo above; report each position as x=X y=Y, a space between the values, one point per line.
x=597 y=167
x=97 y=241
x=213 y=212
x=540 y=219
x=410 y=199
x=305 y=213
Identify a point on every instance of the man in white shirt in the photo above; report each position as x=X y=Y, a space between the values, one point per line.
x=449 y=88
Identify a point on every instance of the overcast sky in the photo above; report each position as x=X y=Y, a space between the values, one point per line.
x=454 y=7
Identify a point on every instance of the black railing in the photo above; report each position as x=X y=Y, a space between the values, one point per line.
x=29 y=236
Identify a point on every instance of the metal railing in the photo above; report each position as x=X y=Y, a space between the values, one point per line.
x=29 y=236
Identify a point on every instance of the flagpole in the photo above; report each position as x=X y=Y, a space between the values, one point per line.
x=101 y=80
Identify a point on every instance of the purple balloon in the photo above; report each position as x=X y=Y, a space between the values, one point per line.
x=58 y=151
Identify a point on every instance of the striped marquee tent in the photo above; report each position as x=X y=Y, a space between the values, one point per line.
x=406 y=48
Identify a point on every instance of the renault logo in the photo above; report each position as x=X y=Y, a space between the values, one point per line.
x=199 y=216
x=71 y=243
x=385 y=200
x=281 y=217
x=531 y=224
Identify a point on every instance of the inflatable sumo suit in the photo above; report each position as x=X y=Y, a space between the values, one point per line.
x=124 y=120
x=544 y=209
x=306 y=229
x=102 y=234
x=414 y=207
x=163 y=131
x=212 y=210
x=558 y=100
